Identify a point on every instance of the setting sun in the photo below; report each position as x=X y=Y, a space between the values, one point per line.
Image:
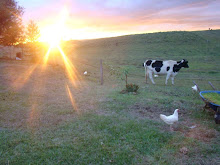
x=54 y=33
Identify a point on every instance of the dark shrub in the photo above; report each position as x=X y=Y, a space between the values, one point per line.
x=132 y=87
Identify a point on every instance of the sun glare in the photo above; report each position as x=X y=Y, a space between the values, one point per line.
x=54 y=33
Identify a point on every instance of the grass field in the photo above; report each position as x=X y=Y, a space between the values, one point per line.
x=45 y=118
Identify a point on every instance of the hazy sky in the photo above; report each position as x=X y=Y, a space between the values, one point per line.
x=105 y=18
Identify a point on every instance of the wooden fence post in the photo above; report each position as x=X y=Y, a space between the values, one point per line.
x=101 y=72
x=126 y=79
x=212 y=86
x=196 y=86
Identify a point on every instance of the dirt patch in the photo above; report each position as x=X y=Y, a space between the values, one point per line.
x=185 y=125
x=199 y=132
x=202 y=134
x=151 y=112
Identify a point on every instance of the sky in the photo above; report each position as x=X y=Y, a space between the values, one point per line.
x=88 y=19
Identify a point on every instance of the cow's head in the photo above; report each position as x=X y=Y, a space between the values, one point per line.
x=147 y=63
x=185 y=63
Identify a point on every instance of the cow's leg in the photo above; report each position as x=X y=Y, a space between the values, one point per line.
x=172 y=78
x=168 y=76
x=146 y=74
x=150 y=73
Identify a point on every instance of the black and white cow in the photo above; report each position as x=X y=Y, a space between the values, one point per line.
x=168 y=67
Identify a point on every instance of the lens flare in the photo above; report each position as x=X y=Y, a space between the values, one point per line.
x=71 y=99
x=47 y=56
x=53 y=33
x=70 y=69
x=22 y=79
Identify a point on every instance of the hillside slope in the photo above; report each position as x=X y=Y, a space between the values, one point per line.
x=200 y=48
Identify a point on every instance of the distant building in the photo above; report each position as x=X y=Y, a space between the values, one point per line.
x=10 y=52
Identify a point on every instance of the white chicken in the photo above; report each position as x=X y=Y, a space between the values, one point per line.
x=156 y=75
x=85 y=73
x=194 y=88
x=170 y=119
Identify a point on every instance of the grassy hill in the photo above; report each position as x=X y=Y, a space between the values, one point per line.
x=47 y=119
x=200 y=48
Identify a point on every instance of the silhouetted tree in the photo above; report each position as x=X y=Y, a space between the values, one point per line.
x=32 y=35
x=11 y=28
x=33 y=32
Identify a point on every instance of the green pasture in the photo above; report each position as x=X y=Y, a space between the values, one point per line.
x=40 y=125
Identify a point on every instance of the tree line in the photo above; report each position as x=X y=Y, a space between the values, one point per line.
x=12 y=30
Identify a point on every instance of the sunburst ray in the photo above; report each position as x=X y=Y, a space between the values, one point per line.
x=73 y=102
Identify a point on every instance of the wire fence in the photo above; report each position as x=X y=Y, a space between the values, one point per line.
x=184 y=74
